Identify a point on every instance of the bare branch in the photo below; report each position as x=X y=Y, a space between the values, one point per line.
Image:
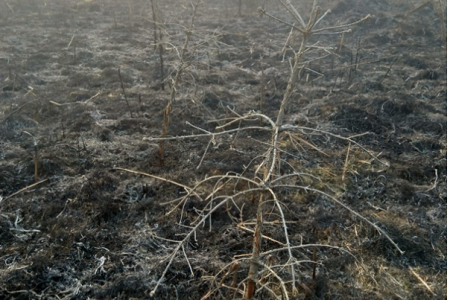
x=342 y=26
x=291 y=9
x=381 y=231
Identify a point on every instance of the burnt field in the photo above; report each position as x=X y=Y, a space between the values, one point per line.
x=211 y=150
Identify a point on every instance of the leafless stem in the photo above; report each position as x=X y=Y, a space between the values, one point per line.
x=344 y=170
x=181 y=66
x=182 y=242
x=124 y=94
x=291 y=9
x=23 y=190
x=423 y=282
x=389 y=70
x=342 y=26
x=263 y=12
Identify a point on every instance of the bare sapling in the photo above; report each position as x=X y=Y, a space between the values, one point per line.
x=306 y=30
x=262 y=87
x=158 y=39
x=155 y=26
x=180 y=68
x=265 y=184
x=124 y=94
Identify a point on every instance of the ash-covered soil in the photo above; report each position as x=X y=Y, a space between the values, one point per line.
x=87 y=210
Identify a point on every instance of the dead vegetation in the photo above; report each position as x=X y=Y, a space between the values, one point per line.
x=302 y=160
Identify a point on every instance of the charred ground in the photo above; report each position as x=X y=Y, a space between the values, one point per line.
x=92 y=231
